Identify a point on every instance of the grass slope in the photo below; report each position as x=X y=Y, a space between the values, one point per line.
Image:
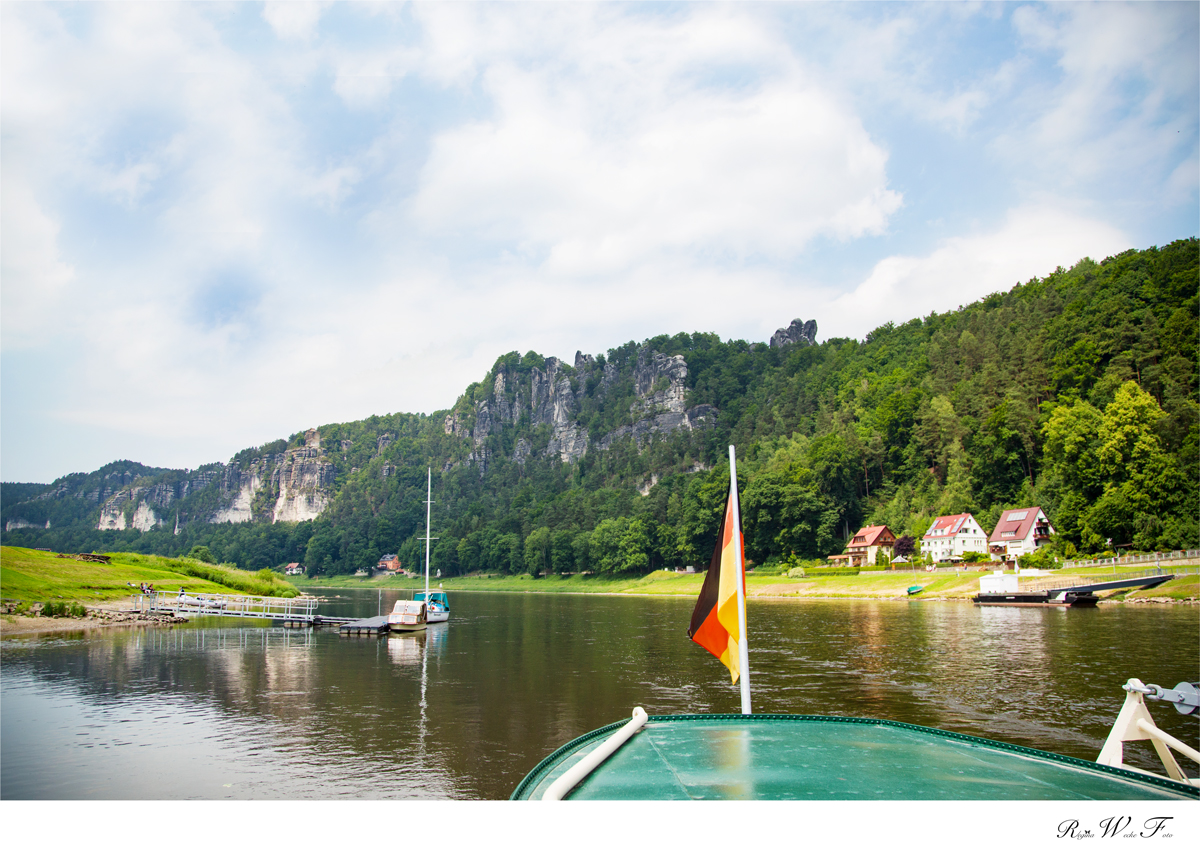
x=891 y=585
x=28 y=575
x=937 y=585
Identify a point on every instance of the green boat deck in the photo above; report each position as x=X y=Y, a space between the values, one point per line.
x=791 y=757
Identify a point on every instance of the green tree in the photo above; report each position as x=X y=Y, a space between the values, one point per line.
x=201 y=553
x=538 y=549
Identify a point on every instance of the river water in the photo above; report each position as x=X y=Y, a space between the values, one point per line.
x=221 y=709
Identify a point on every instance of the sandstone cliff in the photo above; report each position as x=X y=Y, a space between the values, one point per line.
x=291 y=485
x=553 y=394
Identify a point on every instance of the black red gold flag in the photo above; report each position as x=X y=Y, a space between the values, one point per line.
x=715 y=619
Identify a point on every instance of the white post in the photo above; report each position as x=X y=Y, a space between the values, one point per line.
x=428 y=505
x=743 y=640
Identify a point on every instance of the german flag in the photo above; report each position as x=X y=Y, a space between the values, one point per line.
x=715 y=619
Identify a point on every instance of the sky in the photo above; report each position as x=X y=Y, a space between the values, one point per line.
x=223 y=224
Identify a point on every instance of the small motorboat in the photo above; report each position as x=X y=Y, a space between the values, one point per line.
x=408 y=616
x=438 y=609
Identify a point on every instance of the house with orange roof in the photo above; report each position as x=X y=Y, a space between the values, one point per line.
x=864 y=545
x=950 y=536
x=1019 y=531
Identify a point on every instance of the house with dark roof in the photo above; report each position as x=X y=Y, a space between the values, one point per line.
x=951 y=536
x=864 y=546
x=1019 y=531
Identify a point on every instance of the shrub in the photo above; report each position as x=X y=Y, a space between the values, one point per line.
x=201 y=553
x=264 y=582
x=63 y=608
x=1039 y=559
x=819 y=571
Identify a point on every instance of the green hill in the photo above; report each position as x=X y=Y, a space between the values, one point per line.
x=1075 y=392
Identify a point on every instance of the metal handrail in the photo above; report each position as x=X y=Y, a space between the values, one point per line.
x=218 y=604
x=1131 y=559
x=1064 y=582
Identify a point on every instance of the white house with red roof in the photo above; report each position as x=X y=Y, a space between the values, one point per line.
x=864 y=545
x=952 y=536
x=1019 y=531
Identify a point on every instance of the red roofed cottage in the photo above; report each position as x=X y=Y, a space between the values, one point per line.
x=1019 y=531
x=952 y=536
x=865 y=544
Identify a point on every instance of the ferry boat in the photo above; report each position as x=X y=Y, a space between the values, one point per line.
x=807 y=757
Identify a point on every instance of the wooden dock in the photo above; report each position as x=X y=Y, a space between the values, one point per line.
x=374 y=625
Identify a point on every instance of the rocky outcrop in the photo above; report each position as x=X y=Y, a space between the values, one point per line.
x=239 y=487
x=18 y=523
x=556 y=403
x=304 y=482
x=294 y=485
x=799 y=332
x=114 y=515
x=660 y=384
x=556 y=393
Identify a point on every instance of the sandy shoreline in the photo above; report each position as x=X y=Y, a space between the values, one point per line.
x=111 y=614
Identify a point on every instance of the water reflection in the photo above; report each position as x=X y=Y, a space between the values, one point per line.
x=229 y=710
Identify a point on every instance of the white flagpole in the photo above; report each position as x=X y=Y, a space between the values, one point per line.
x=428 y=505
x=743 y=640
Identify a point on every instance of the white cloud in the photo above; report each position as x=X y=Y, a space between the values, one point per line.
x=1127 y=93
x=1032 y=241
x=33 y=274
x=617 y=148
x=294 y=19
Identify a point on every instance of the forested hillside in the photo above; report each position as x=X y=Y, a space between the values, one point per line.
x=1076 y=392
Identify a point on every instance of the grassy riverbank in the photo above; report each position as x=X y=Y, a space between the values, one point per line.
x=30 y=576
x=887 y=585
x=41 y=576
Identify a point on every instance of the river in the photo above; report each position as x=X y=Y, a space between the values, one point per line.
x=220 y=709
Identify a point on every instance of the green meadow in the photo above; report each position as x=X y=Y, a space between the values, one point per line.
x=940 y=585
x=28 y=575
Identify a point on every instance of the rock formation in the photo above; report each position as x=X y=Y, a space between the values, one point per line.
x=294 y=485
x=799 y=332
x=556 y=394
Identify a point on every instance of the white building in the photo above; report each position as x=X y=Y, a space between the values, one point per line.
x=1019 y=531
x=952 y=536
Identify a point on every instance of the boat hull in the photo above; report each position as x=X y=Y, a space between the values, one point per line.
x=1035 y=599
x=405 y=627
x=790 y=757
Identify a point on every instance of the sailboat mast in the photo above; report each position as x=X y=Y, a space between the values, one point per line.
x=428 y=505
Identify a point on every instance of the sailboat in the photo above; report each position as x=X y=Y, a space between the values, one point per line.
x=437 y=606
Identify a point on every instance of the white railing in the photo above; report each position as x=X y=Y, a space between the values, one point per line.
x=1128 y=559
x=302 y=608
x=1061 y=582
